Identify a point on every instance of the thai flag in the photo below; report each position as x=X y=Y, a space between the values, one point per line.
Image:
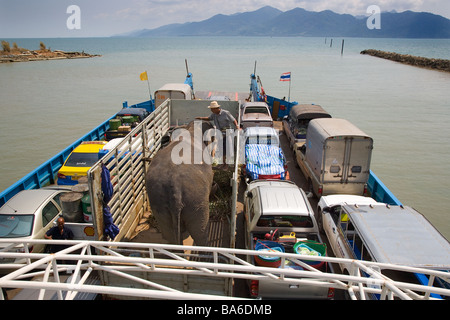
x=285 y=76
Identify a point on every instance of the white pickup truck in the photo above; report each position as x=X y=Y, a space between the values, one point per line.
x=279 y=210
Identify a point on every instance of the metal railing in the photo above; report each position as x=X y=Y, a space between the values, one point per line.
x=126 y=260
x=127 y=166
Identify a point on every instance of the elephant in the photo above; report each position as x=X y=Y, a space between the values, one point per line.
x=179 y=192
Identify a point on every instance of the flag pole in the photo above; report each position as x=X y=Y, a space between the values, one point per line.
x=287 y=76
x=289 y=95
x=148 y=83
x=144 y=76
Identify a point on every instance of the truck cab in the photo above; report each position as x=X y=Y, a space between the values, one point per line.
x=279 y=211
x=296 y=124
x=272 y=204
x=179 y=91
x=255 y=114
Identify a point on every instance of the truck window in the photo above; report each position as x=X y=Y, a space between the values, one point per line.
x=57 y=199
x=334 y=213
x=252 y=211
x=285 y=221
x=355 y=242
x=262 y=139
x=48 y=213
x=256 y=110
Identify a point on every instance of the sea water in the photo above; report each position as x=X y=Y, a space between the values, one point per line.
x=46 y=105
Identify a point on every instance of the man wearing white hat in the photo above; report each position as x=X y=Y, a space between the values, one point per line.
x=222 y=120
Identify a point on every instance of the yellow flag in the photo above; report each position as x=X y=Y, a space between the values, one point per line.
x=144 y=76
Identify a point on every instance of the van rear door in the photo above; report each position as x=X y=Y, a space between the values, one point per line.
x=358 y=156
x=347 y=159
x=333 y=160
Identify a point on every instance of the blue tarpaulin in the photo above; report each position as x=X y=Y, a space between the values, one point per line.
x=108 y=190
x=107 y=187
x=264 y=159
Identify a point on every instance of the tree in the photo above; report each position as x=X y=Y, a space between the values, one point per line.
x=5 y=46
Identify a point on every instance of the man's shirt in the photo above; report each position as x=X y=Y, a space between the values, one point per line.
x=223 y=120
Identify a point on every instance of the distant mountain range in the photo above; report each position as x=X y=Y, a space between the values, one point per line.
x=269 y=21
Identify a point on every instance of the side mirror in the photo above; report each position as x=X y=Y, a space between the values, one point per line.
x=309 y=195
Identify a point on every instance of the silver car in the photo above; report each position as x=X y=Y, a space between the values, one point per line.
x=29 y=215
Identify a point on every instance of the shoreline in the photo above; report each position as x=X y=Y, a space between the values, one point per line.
x=422 y=62
x=42 y=55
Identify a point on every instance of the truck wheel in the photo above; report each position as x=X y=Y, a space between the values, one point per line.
x=295 y=161
x=319 y=220
x=309 y=186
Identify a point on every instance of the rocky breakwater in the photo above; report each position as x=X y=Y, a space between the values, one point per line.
x=436 y=64
x=16 y=54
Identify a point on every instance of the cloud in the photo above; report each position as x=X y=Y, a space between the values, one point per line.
x=47 y=18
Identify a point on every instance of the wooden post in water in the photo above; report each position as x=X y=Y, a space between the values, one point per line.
x=342 y=48
x=331 y=43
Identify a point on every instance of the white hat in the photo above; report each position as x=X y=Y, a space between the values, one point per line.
x=214 y=105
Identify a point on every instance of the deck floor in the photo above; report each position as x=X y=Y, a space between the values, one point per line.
x=219 y=233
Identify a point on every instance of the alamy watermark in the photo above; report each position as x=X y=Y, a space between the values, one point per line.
x=74 y=20
x=374 y=20
x=209 y=147
x=213 y=146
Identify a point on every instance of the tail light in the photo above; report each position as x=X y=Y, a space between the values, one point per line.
x=269 y=176
x=330 y=293
x=320 y=190
x=254 y=288
x=61 y=176
x=22 y=250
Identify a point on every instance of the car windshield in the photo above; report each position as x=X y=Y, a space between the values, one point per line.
x=80 y=159
x=16 y=226
x=285 y=221
x=256 y=110
x=262 y=139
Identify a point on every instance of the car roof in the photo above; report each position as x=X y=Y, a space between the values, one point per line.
x=132 y=111
x=90 y=146
x=308 y=111
x=335 y=199
x=112 y=144
x=27 y=201
x=400 y=235
x=255 y=104
x=252 y=131
x=278 y=199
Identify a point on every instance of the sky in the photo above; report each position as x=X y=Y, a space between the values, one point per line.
x=103 y=18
